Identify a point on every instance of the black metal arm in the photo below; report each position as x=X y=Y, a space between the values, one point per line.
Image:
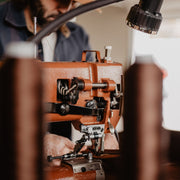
x=64 y=109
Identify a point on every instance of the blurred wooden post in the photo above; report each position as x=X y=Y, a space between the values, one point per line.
x=142 y=121
x=21 y=118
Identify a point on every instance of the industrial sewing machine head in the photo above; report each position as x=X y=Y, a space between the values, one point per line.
x=87 y=93
x=90 y=95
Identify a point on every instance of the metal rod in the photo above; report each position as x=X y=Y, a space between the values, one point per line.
x=99 y=85
x=35 y=32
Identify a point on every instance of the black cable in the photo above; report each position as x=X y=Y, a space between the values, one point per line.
x=61 y=19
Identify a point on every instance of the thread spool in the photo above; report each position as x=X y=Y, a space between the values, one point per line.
x=142 y=121
x=21 y=119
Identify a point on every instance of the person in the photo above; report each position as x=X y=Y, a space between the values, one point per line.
x=16 y=23
x=66 y=44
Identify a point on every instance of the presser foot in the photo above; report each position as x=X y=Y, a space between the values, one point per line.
x=82 y=165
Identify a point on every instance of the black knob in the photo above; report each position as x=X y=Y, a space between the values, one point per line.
x=83 y=169
x=144 y=20
x=49 y=158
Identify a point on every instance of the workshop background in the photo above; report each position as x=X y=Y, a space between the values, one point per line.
x=107 y=26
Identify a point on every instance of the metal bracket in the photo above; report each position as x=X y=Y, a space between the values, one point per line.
x=93 y=131
x=85 y=165
x=96 y=134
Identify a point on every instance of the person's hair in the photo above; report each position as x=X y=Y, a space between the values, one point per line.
x=22 y=4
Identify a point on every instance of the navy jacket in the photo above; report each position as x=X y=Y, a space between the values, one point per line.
x=13 y=28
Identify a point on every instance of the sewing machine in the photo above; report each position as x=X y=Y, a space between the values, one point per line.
x=90 y=95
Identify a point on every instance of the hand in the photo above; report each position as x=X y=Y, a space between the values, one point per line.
x=55 y=145
x=110 y=142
